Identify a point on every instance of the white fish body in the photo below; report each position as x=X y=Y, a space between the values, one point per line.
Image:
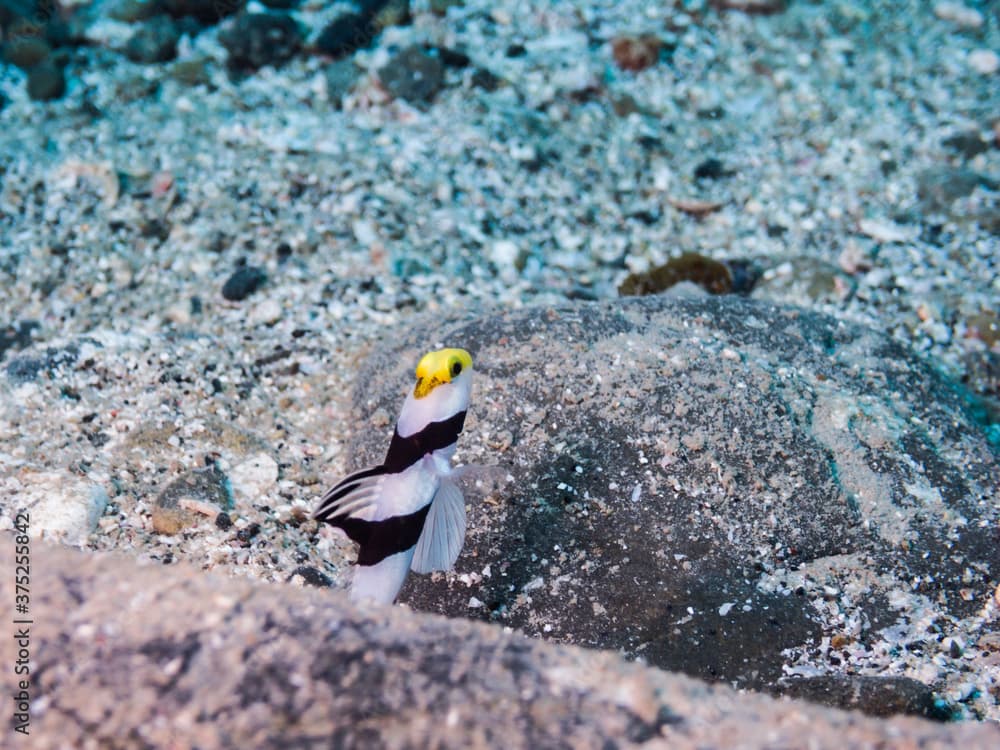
x=407 y=513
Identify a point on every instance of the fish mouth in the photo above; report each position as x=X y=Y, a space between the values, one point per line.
x=425 y=385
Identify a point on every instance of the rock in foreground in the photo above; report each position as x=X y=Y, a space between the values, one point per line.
x=170 y=656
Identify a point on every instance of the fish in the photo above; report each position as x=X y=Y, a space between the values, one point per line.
x=408 y=513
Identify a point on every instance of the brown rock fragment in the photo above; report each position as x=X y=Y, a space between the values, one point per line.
x=636 y=53
x=187 y=499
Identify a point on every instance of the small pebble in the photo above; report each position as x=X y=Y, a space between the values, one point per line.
x=25 y=52
x=63 y=507
x=154 y=42
x=258 y=39
x=311 y=576
x=984 y=61
x=635 y=53
x=710 y=169
x=174 y=510
x=267 y=312
x=254 y=478
x=46 y=82
x=969 y=143
x=853 y=259
x=244 y=282
x=954 y=647
x=938 y=187
x=179 y=313
x=340 y=77
x=345 y=34
x=132 y=11
x=505 y=254
x=190 y=72
x=205 y=11
x=246 y=534
x=385 y=13
x=450 y=58
x=413 y=75
x=958 y=14
x=485 y=80
x=985 y=326
x=624 y=105
x=17 y=335
x=887 y=231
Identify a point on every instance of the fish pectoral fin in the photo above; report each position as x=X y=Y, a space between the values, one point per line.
x=351 y=495
x=443 y=535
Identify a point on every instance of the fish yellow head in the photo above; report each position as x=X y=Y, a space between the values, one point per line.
x=440 y=367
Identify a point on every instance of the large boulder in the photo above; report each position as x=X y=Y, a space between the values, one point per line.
x=123 y=655
x=733 y=490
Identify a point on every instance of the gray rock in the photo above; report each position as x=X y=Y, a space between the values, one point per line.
x=133 y=11
x=46 y=81
x=968 y=143
x=485 y=79
x=26 y=51
x=154 y=42
x=190 y=498
x=116 y=647
x=193 y=72
x=346 y=34
x=205 y=11
x=694 y=481
x=31 y=364
x=340 y=76
x=17 y=335
x=62 y=507
x=254 y=40
x=413 y=75
x=385 y=13
x=254 y=477
x=243 y=282
x=939 y=187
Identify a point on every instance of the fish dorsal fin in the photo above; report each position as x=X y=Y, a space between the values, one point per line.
x=353 y=495
x=444 y=531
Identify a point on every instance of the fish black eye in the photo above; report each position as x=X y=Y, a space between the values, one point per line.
x=456 y=368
